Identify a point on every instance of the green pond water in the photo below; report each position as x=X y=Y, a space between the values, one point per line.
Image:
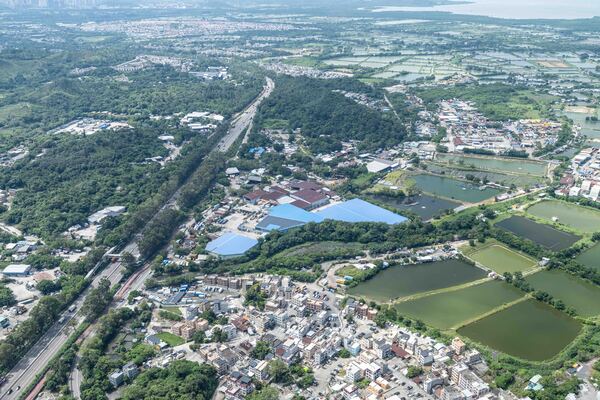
x=453 y=189
x=574 y=216
x=518 y=166
x=575 y=292
x=402 y=281
x=591 y=257
x=450 y=309
x=530 y=330
x=501 y=259
x=589 y=128
x=542 y=234
x=423 y=205
x=505 y=179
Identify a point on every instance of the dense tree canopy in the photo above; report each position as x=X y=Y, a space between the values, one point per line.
x=326 y=117
x=182 y=379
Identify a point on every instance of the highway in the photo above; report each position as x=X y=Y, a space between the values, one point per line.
x=243 y=120
x=24 y=373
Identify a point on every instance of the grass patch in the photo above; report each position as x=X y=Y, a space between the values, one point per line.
x=174 y=310
x=319 y=248
x=170 y=339
x=274 y=123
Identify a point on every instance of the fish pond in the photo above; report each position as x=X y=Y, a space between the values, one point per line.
x=454 y=189
x=407 y=280
x=572 y=215
x=530 y=330
x=426 y=207
x=590 y=128
x=501 y=259
x=511 y=165
x=575 y=292
x=451 y=309
x=544 y=235
x=591 y=257
x=504 y=179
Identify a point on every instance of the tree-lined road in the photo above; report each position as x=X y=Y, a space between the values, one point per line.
x=34 y=362
x=243 y=120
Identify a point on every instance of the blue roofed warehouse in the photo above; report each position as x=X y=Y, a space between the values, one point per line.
x=357 y=210
x=230 y=245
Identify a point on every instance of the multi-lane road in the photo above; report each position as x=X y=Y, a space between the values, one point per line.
x=26 y=370
x=243 y=120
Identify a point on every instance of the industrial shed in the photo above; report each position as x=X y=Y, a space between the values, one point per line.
x=230 y=245
x=357 y=210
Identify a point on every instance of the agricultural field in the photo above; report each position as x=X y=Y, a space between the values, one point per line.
x=451 y=309
x=453 y=189
x=575 y=292
x=500 y=258
x=542 y=234
x=530 y=330
x=591 y=257
x=580 y=218
x=499 y=164
x=368 y=61
x=405 y=68
x=403 y=281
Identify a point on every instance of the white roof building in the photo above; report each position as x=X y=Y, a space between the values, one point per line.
x=17 y=269
x=376 y=166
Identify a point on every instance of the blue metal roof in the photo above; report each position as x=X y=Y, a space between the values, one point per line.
x=357 y=210
x=288 y=211
x=286 y=216
x=231 y=244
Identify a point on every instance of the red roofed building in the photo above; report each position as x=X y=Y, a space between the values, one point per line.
x=313 y=198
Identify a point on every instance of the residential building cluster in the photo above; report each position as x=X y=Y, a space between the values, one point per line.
x=583 y=176
x=468 y=129
x=308 y=325
x=146 y=61
x=179 y=27
x=297 y=70
x=89 y=126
